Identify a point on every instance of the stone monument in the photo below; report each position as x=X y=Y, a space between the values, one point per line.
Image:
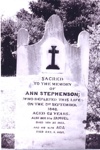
x=52 y=91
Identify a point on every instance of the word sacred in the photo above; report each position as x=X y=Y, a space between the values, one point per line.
x=52 y=79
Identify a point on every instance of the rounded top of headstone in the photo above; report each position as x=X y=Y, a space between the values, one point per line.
x=54 y=27
x=83 y=38
x=23 y=37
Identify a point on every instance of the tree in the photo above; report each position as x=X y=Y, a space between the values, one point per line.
x=93 y=115
x=94 y=71
x=8 y=45
x=75 y=14
x=9 y=30
x=34 y=25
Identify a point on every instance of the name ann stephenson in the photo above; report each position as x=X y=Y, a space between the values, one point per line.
x=53 y=93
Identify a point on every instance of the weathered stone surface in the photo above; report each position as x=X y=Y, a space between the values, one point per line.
x=83 y=44
x=72 y=61
x=55 y=81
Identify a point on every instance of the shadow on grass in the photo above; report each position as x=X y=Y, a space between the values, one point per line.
x=93 y=141
x=7 y=140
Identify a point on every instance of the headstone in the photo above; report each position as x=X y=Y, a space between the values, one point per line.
x=52 y=90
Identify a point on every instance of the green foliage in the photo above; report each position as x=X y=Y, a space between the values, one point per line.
x=92 y=122
x=93 y=141
x=34 y=25
x=36 y=31
x=8 y=45
x=94 y=71
x=24 y=15
x=9 y=30
x=42 y=9
x=7 y=141
x=75 y=14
